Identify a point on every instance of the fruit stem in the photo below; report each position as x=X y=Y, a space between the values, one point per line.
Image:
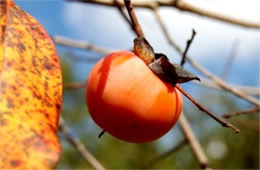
x=101 y=134
x=135 y=23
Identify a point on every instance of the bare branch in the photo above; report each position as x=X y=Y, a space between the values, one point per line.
x=243 y=112
x=75 y=142
x=203 y=70
x=223 y=84
x=82 y=57
x=202 y=108
x=183 y=6
x=194 y=143
x=77 y=85
x=246 y=89
x=80 y=44
x=187 y=47
x=165 y=30
x=135 y=23
x=101 y=134
x=120 y=9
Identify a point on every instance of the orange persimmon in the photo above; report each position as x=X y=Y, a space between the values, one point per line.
x=127 y=100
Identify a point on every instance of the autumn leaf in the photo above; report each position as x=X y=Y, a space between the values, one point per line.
x=30 y=92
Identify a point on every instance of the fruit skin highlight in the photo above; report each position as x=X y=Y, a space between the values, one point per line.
x=127 y=100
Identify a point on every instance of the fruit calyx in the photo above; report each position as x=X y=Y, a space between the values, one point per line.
x=160 y=64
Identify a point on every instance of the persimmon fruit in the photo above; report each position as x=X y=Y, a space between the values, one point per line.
x=127 y=100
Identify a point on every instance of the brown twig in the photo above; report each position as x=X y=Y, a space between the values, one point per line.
x=245 y=89
x=101 y=133
x=247 y=111
x=182 y=6
x=135 y=23
x=202 y=108
x=80 y=44
x=120 y=9
x=76 y=85
x=165 y=154
x=194 y=143
x=187 y=47
x=222 y=83
x=82 y=57
x=203 y=70
x=75 y=142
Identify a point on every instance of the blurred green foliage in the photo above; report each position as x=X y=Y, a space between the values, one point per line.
x=239 y=151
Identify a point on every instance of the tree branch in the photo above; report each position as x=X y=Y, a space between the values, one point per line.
x=81 y=44
x=243 y=112
x=202 y=108
x=183 y=6
x=76 y=85
x=120 y=9
x=135 y=23
x=245 y=89
x=194 y=143
x=203 y=70
x=222 y=83
x=187 y=47
x=75 y=142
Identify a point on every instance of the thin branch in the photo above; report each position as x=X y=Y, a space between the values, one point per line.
x=187 y=47
x=165 y=154
x=243 y=112
x=210 y=84
x=165 y=30
x=222 y=83
x=194 y=143
x=82 y=57
x=101 y=134
x=203 y=70
x=120 y=9
x=76 y=85
x=135 y=23
x=202 y=108
x=75 y=142
x=230 y=60
x=183 y=6
x=80 y=44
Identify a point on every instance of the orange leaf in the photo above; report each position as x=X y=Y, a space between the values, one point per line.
x=30 y=92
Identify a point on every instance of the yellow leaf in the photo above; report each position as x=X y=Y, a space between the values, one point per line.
x=30 y=92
